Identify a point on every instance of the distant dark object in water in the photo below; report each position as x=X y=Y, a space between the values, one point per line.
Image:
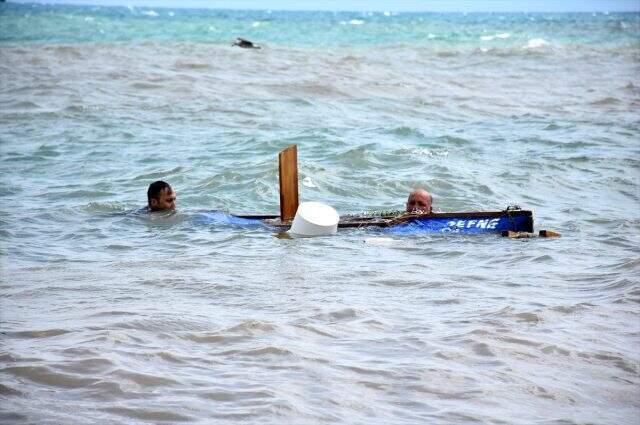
x=245 y=44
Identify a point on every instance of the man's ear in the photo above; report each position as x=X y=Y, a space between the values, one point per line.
x=153 y=202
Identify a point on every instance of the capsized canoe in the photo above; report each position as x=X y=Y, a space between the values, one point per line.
x=511 y=219
x=452 y=222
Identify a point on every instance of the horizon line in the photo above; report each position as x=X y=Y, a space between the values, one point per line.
x=237 y=5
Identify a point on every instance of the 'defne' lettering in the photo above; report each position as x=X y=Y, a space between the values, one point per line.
x=470 y=224
x=493 y=223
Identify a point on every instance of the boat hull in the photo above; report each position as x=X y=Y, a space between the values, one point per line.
x=455 y=222
x=477 y=223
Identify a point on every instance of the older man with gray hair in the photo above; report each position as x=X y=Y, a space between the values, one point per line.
x=419 y=202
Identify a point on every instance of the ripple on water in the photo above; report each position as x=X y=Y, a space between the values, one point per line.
x=142 y=380
x=104 y=207
x=192 y=65
x=252 y=327
x=146 y=85
x=46 y=376
x=87 y=366
x=160 y=323
x=6 y=390
x=149 y=414
x=38 y=334
x=243 y=396
x=342 y=315
x=155 y=175
x=269 y=351
x=215 y=338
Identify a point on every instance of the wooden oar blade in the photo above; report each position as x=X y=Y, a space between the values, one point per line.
x=288 y=171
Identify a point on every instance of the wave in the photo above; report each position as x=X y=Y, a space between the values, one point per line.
x=501 y=36
x=21 y=105
x=192 y=65
x=146 y=85
x=47 y=376
x=536 y=43
x=605 y=101
x=148 y=414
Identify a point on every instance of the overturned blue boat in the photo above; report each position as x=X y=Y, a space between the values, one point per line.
x=512 y=219
x=515 y=220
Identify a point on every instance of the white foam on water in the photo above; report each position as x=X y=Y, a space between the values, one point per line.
x=431 y=36
x=172 y=14
x=536 y=43
x=379 y=241
x=255 y=24
x=433 y=152
x=151 y=13
x=308 y=182
x=356 y=22
x=503 y=35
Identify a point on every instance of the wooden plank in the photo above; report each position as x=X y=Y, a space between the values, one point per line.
x=549 y=234
x=517 y=235
x=256 y=216
x=288 y=173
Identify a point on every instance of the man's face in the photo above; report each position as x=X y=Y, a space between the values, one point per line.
x=419 y=202
x=166 y=200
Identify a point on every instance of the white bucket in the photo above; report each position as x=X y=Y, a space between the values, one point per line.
x=315 y=219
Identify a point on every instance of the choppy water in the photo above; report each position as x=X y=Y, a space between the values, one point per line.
x=110 y=317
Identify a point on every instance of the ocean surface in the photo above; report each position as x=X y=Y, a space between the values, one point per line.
x=113 y=317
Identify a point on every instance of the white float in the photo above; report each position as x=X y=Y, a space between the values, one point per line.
x=315 y=219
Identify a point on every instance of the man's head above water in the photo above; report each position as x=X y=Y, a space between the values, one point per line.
x=160 y=196
x=419 y=202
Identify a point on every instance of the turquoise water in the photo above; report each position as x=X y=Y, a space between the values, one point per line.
x=74 y=24
x=113 y=317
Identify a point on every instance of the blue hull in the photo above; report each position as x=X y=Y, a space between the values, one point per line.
x=460 y=222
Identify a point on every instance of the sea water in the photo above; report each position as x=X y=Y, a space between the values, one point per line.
x=109 y=316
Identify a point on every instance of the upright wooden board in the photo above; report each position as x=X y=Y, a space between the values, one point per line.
x=288 y=170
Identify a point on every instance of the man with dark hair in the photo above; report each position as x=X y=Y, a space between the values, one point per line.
x=420 y=202
x=160 y=197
